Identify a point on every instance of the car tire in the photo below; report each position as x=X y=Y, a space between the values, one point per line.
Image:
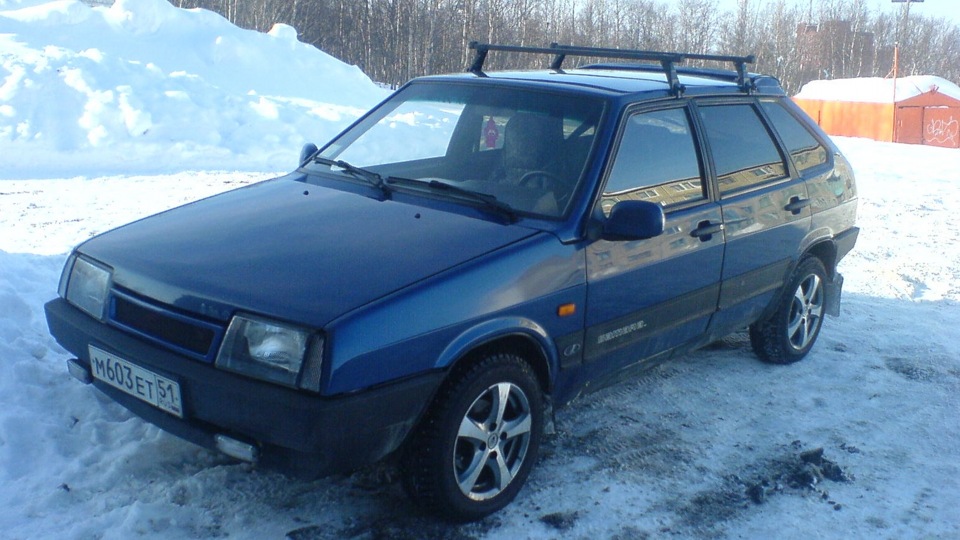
x=790 y=332
x=475 y=447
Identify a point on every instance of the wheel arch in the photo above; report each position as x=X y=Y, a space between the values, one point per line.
x=826 y=251
x=522 y=336
x=823 y=248
x=820 y=244
x=772 y=337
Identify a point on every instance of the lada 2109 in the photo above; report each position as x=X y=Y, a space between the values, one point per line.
x=476 y=250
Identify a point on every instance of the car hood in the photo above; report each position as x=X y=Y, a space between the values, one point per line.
x=290 y=250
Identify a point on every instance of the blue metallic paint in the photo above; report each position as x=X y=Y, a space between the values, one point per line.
x=314 y=253
x=633 y=279
x=523 y=282
x=492 y=330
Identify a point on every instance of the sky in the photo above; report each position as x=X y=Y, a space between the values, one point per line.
x=939 y=9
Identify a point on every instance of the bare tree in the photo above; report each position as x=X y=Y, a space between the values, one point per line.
x=395 y=40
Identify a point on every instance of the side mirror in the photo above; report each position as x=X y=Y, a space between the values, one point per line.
x=307 y=152
x=634 y=220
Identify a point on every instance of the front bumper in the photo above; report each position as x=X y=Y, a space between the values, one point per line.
x=293 y=430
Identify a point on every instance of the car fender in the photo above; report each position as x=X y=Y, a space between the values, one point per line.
x=517 y=290
x=810 y=242
x=493 y=330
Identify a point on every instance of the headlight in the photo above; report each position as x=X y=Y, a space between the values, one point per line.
x=271 y=351
x=87 y=286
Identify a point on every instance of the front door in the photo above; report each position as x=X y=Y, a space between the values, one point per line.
x=648 y=296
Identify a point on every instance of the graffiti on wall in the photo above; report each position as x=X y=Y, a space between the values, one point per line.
x=943 y=131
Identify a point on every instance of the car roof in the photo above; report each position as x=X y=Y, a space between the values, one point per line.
x=612 y=81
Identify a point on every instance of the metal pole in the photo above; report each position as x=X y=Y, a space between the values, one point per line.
x=903 y=34
x=896 y=66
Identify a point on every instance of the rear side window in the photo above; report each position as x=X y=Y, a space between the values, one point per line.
x=656 y=161
x=743 y=151
x=804 y=148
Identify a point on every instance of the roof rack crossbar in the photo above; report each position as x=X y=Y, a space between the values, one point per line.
x=667 y=60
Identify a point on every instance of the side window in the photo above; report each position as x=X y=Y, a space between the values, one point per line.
x=743 y=151
x=656 y=161
x=804 y=148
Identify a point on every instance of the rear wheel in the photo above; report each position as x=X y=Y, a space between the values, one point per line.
x=789 y=334
x=475 y=448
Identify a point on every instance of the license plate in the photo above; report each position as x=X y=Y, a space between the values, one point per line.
x=155 y=389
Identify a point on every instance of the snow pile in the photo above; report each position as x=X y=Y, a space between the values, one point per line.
x=145 y=87
x=877 y=89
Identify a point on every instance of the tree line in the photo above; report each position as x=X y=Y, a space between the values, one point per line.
x=395 y=40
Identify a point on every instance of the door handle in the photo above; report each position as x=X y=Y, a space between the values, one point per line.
x=796 y=205
x=706 y=229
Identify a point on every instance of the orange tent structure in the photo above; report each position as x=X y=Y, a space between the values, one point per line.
x=917 y=110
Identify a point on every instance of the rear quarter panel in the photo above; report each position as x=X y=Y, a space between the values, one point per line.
x=833 y=191
x=834 y=201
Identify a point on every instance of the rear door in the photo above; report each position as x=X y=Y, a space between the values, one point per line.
x=766 y=209
x=647 y=296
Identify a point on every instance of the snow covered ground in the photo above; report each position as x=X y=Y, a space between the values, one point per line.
x=685 y=451
x=674 y=453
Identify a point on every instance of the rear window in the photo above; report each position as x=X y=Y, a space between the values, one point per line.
x=806 y=151
x=743 y=151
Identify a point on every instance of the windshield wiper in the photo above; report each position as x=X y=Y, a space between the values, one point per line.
x=369 y=176
x=485 y=199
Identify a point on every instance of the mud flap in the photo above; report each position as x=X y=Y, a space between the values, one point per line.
x=832 y=290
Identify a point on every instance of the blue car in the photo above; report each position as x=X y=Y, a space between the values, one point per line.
x=473 y=253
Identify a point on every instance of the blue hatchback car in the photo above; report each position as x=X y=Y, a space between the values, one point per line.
x=475 y=251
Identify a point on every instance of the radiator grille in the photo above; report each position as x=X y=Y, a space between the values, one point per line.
x=173 y=330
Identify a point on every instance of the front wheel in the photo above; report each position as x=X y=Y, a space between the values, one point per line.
x=789 y=334
x=477 y=444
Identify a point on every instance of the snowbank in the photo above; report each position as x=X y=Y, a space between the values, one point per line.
x=145 y=87
x=877 y=89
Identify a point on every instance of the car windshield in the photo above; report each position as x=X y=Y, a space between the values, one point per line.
x=526 y=149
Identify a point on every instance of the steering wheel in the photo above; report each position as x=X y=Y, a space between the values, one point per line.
x=544 y=180
x=547 y=182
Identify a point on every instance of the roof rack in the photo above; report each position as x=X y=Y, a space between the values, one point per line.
x=667 y=60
